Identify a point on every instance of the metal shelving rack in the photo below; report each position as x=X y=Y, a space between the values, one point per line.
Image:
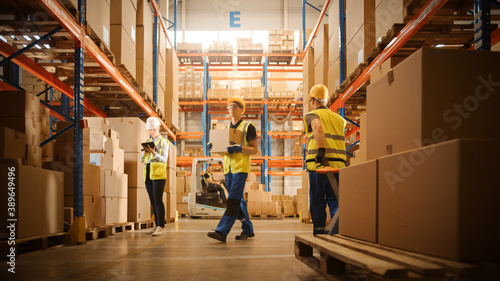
x=65 y=22
x=481 y=41
x=266 y=161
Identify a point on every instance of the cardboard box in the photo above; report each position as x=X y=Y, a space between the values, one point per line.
x=171 y=112
x=180 y=184
x=63 y=153
x=182 y=197
x=384 y=68
x=68 y=215
x=171 y=204
x=98 y=18
x=143 y=15
x=171 y=181
x=321 y=44
x=123 y=13
x=38 y=197
x=358 y=194
x=254 y=207
x=12 y=144
x=139 y=205
x=358 y=13
x=388 y=13
x=92 y=210
x=183 y=208
x=97 y=125
x=123 y=47
x=111 y=210
x=19 y=104
x=45 y=120
x=115 y=184
x=433 y=107
x=144 y=76
x=113 y=158
x=91 y=180
x=441 y=200
x=132 y=132
x=29 y=127
x=134 y=168
x=221 y=138
x=360 y=47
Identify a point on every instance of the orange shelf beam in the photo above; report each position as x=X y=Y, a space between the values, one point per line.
x=26 y=63
x=430 y=8
x=316 y=27
x=60 y=14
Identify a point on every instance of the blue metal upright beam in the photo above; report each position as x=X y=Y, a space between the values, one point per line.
x=304 y=24
x=263 y=135
x=175 y=24
x=204 y=117
x=482 y=30
x=155 y=59
x=78 y=115
x=342 y=48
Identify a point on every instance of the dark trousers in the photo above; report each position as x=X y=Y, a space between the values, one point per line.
x=155 y=191
x=320 y=194
x=212 y=187
x=236 y=205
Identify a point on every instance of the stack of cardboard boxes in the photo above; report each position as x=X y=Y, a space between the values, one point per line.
x=427 y=185
x=321 y=55
x=360 y=32
x=190 y=86
x=107 y=153
x=333 y=46
x=133 y=132
x=144 y=50
x=281 y=41
x=171 y=98
x=279 y=88
x=183 y=186
x=123 y=33
x=245 y=44
x=308 y=77
x=22 y=177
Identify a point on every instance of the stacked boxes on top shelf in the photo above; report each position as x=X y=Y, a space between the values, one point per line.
x=281 y=41
x=171 y=102
x=20 y=136
x=427 y=186
x=123 y=34
x=190 y=84
x=220 y=47
x=360 y=33
x=190 y=48
x=279 y=89
x=321 y=56
x=144 y=50
x=245 y=46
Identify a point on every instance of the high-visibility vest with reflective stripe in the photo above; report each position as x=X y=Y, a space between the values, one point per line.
x=333 y=125
x=210 y=176
x=157 y=169
x=238 y=162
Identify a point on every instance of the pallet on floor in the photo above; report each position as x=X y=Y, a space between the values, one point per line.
x=38 y=243
x=266 y=216
x=97 y=232
x=143 y=225
x=330 y=256
x=119 y=227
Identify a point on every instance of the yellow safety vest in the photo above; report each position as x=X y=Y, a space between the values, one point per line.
x=210 y=176
x=157 y=169
x=333 y=125
x=238 y=162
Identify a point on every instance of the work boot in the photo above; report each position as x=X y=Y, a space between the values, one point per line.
x=244 y=236
x=217 y=235
x=159 y=231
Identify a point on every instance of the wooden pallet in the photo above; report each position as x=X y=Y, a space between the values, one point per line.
x=143 y=225
x=169 y=220
x=266 y=216
x=119 y=227
x=250 y=59
x=38 y=243
x=329 y=256
x=280 y=60
x=97 y=232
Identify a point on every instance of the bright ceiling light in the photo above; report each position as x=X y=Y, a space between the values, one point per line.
x=27 y=37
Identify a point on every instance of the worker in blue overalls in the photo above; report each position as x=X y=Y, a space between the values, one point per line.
x=325 y=141
x=236 y=168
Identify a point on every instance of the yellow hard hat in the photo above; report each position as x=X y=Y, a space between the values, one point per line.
x=238 y=100
x=318 y=91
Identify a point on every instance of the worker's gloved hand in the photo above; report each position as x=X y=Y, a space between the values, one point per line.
x=234 y=148
x=209 y=145
x=320 y=156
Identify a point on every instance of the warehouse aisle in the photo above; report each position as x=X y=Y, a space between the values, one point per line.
x=184 y=253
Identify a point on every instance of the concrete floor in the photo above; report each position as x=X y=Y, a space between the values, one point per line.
x=184 y=253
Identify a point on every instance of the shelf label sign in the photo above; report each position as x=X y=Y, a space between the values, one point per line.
x=234 y=19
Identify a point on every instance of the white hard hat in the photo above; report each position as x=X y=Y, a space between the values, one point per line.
x=152 y=123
